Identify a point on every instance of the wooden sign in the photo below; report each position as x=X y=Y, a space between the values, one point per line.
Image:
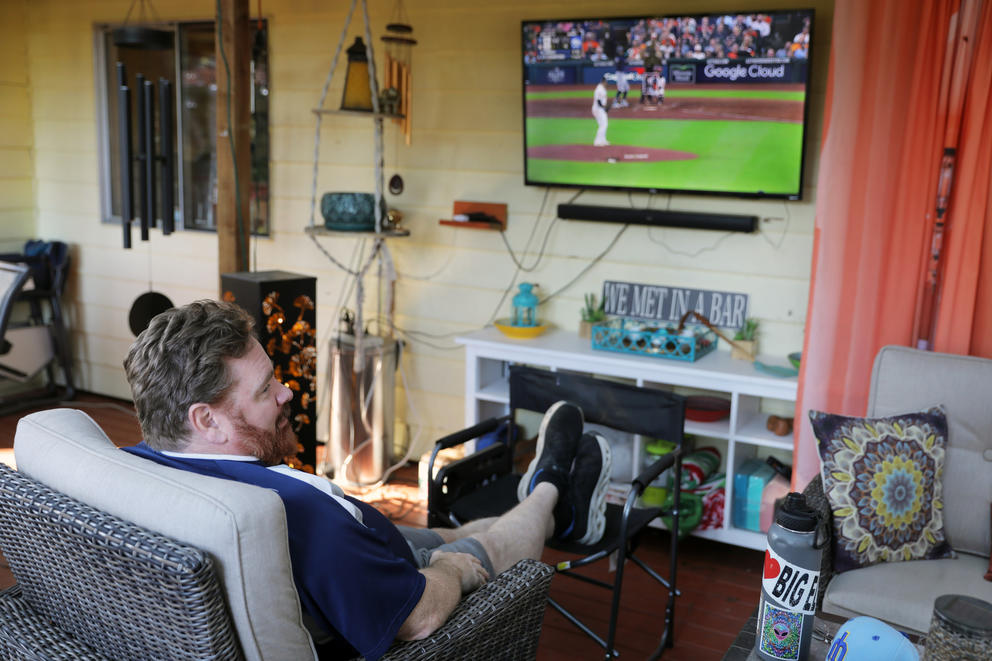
x=668 y=304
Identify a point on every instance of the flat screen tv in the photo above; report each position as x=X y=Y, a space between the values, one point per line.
x=695 y=103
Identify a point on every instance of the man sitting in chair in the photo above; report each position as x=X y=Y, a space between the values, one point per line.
x=209 y=403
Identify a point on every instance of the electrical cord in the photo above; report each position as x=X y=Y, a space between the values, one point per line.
x=533 y=230
x=540 y=256
x=777 y=245
x=588 y=266
x=661 y=242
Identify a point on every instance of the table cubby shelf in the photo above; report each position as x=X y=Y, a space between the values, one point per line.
x=488 y=353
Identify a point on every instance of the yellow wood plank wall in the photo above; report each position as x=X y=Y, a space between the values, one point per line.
x=467 y=144
x=16 y=169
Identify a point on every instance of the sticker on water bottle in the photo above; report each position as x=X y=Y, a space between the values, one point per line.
x=789 y=586
x=780 y=632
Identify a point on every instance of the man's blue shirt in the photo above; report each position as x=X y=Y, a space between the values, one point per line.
x=358 y=580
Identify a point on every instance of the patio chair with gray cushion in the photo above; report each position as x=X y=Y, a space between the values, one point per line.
x=118 y=557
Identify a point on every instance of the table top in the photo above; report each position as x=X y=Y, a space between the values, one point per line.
x=824 y=628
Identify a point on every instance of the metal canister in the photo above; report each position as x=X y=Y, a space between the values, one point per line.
x=789 y=583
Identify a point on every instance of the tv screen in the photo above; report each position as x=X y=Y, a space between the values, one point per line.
x=699 y=103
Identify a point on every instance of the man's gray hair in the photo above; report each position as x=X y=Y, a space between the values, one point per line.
x=180 y=360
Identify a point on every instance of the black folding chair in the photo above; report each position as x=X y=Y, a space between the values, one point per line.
x=484 y=484
x=47 y=263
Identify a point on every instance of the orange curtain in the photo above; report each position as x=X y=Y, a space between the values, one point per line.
x=886 y=110
x=964 y=310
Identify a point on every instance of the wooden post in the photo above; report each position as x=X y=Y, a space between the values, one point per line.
x=233 y=105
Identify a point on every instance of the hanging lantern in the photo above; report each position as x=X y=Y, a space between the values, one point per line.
x=357 y=92
x=525 y=307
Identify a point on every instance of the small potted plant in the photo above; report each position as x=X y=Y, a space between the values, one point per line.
x=746 y=341
x=592 y=313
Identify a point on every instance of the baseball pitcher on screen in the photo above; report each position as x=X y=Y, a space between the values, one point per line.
x=599 y=109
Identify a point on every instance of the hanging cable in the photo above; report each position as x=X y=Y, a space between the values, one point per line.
x=591 y=264
x=661 y=242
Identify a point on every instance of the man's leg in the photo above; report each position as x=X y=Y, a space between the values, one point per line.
x=521 y=532
x=561 y=496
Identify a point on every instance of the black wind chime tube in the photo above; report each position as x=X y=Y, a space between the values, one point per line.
x=148 y=118
x=167 y=158
x=142 y=156
x=124 y=146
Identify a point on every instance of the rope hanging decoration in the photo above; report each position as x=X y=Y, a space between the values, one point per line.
x=379 y=249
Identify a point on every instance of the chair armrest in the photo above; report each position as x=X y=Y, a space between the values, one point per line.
x=500 y=620
x=459 y=477
x=466 y=435
x=26 y=635
x=651 y=473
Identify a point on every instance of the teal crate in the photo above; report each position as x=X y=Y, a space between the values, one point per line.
x=641 y=339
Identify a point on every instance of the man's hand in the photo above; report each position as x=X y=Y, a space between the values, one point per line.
x=449 y=576
x=473 y=574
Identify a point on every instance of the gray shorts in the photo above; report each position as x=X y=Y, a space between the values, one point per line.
x=423 y=542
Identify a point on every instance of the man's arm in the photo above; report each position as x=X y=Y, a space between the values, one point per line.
x=449 y=576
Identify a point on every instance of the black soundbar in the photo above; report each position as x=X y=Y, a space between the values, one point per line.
x=660 y=217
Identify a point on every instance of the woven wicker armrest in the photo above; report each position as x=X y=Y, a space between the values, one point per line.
x=816 y=499
x=25 y=635
x=500 y=620
x=119 y=589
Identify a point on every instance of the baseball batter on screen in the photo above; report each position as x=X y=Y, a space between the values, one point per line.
x=599 y=109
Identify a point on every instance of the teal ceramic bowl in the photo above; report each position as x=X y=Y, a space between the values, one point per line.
x=794 y=358
x=348 y=212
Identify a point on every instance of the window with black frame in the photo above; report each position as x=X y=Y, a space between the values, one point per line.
x=190 y=64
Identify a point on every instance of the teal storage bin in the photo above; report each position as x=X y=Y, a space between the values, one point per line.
x=749 y=485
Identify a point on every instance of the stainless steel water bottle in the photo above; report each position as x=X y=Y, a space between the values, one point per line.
x=789 y=583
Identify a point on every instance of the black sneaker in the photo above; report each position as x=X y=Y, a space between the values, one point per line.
x=587 y=491
x=557 y=442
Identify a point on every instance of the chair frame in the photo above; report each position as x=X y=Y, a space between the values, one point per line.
x=535 y=389
x=82 y=573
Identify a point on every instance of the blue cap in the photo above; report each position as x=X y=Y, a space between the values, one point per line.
x=868 y=639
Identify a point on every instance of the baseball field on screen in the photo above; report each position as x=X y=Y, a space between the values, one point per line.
x=738 y=139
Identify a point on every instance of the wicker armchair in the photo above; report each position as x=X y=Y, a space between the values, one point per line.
x=92 y=585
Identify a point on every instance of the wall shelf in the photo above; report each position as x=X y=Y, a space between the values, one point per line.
x=317 y=230
x=356 y=113
x=494 y=209
x=741 y=436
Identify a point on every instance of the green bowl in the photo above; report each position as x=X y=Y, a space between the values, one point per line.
x=794 y=358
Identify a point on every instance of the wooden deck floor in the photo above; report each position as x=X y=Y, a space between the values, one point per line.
x=719 y=583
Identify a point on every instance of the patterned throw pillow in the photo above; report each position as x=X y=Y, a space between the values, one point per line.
x=883 y=478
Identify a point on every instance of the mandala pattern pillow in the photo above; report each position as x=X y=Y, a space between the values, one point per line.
x=883 y=479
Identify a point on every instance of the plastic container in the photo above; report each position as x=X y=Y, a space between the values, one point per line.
x=655 y=493
x=776 y=489
x=749 y=485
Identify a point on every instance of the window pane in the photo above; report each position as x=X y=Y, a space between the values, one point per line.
x=199 y=120
x=260 y=132
x=153 y=65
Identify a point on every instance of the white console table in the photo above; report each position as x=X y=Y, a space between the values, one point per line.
x=740 y=436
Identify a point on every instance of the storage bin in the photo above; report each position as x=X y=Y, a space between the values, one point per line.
x=749 y=485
